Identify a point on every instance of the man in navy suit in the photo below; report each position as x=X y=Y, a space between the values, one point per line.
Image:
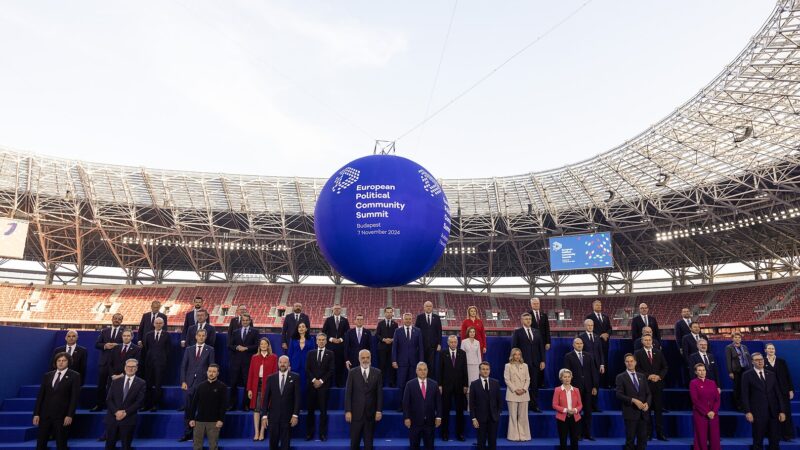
x=602 y=326
x=586 y=378
x=56 y=403
x=528 y=340
x=194 y=366
x=281 y=405
x=290 y=323
x=682 y=328
x=407 y=351
x=634 y=395
x=592 y=346
x=644 y=319
x=422 y=408
x=453 y=386
x=385 y=333
x=202 y=324
x=157 y=345
x=485 y=405
x=191 y=319
x=689 y=344
x=430 y=325
x=703 y=356
x=356 y=339
x=236 y=322
x=242 y=345
x=761 y=398
x=319 y=378
x=652 y=363
x=125 y=398
x=124 y=352
x=77 y=354
x=336 y=327
x=148 y=322
x=107 y=341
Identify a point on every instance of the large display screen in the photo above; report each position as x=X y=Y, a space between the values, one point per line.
x=581 y=251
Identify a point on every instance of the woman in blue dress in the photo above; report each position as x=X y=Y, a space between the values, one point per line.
x=298 y=351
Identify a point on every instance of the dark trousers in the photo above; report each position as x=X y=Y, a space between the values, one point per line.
x=568 y=428
x=657 y=407
x=279 y=435
x=533 y=389
x=385 y=364
x=103 y=374
x=766 y=427
x=454 y=394
x=238 y=377
x=362 y=429
x=317 y=400
x=586 y=413
x=737 y=390
x=787 y=427
x=339 y=368
x=425 y=433
x=123 y=433
x=487 y=435
x=607 y=379
x=187 y=430
x=154 y=375
x=636 y=431
x=48 y=426
x=404 y=373
x=430 y=360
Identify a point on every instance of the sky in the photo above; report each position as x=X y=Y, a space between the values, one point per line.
x=300 y=88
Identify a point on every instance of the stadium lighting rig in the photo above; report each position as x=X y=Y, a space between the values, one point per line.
x=727 y=226
x=230 y=246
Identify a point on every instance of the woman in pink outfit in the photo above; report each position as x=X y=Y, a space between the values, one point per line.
x=705 y=410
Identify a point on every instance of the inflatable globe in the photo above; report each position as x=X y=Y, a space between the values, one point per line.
x=382 y=220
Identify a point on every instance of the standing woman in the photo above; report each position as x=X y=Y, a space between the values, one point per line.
x=781 y=370
x=517 y=382
x=473 y=321
x=568 y=407
x=472 y=347
x=262 y=365
x=298 y=351
x=705 y=410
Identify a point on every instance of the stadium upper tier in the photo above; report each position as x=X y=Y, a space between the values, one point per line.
x=723 y=169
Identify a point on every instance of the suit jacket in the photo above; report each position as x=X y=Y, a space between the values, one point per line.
x=763 y=400
x=601 y=327
x=407 y=352
x=637 y=324
x=681 y=330
x=131 y=404
x=560 y=402
x=689 y=345
x=712 y=368
x=280 y=407
x=211 y=335
x=431 y=334
x=363 y=399
x=104 y=338
x=423 y=412
x=657 y=367
x=532 y=351
x=61 y=401
x=332 y=331
x=584 y=376
x=235 y=324
x=188 y=321
x=543 y=325
x=485 y=406
x=118 y=358
x=352 y=345
x=626 y=392
x=193 y=369
x=594 y=348
x=78 y=362
x=146 y=325
x=237 y=358
x=453 y=378
x=383 y=332
x=732 y=358
x=637 y=344
x=289 y=328
x=157 y=352
x=320 y=370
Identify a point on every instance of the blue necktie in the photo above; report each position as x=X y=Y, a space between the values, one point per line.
x=126 y=388
x=635 y=381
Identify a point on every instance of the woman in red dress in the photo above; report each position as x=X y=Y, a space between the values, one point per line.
x=474 y=321
x=705 y=410
x=262 y=365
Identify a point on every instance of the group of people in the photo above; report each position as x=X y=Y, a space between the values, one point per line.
x=433 y=381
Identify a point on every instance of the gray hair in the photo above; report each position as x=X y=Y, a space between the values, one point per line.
x=422 y=363
x=562 y=372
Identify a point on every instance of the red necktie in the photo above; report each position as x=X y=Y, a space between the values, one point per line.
x=122 y=351
x=423 y=389
x=650 y=356
x=197 y=355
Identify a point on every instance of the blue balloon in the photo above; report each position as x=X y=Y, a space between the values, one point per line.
x=382 y=220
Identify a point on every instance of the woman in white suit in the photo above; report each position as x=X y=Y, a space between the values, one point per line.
x=517 y=382
x=472 y=347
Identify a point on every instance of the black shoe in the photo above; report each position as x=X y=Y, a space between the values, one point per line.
x=183 y=439
x=661 y=437
x=596 y=410
x=399 y=409
x=445 y=437
x=461 y=438
x=230 y=408
x=181 y=408
x=96 y=408
x=245 y=409
x=142 y=409
x=101 y=439
x=323 y=438
x=580 y=438
x=153 y=409
x=309 y=437
x=591 y=438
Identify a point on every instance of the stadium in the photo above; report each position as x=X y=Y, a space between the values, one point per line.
x=713 y=185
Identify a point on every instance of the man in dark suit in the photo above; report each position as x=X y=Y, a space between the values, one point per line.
x=281 y=405
x=385 y=333
x=191 y=319
x=157 y=346
x=194 y=366
x=761 y=398
x=682 y=328
x=703 y=356
x=646 y=331
x=430 y=325
x=586 y=378
x=593 y=346
x=422 y=408
x=737 y=360
x=356 y=339
x=485 y=406
x=242 y=345
x=652 y=363
x=56 y=403
x=125 y=398
x=530 y=343
x=320 y=377
x=644 y=319
x=77 y=354
x=126 y=350
x=453 y=386
x=336 y=327
x=634 y=395
x=148 y=322
x=363 y=401
x=290 y=323
x=689 y=344
x=407 y=351
x=541 y=322
x=202 y=324
x=107 y=341
x=236 y=322
x=602 y=326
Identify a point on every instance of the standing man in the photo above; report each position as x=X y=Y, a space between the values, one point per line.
x=191 y=319
x=689 y=344
x=485 y=405
x=148 y=322
x=644 y=320
x=431 y=327
x=77 y=354
x=707 y=359
x=56 y=403
x=157 y=345
x=530 y=343
x=107 y=341
x=236 y=322
x=320 y=376
x=127 y=350
x=422 y=408
x=281 y=405
x=290 y=323
x=646 y=331
x=602 y=326
x=761 y=398
x=194 y=368
x=363 y=401
x=202 y=324
x=682 y=328
x=737 y=360
x=355 y=340
x=541 y=322
x=407 y=351
x=206 y=411
x=125 y=398
x=586 y=378
x=242 y=345
x=634 y=394
x=336 y=328
x=453 y=386
x=652 y=363
x=385 y=333
x=592 y=346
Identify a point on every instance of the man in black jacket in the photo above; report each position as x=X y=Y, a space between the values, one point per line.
x=290 y=323
x=703 y=356
x=485 y=406
x=586 y=378
x=190 y=319
x=242 y=345
x=385 y=333
x=530 y=343
x=336 y=327
x=281 y=405
x=652 y=363
x=157 y=346
x=125 y=398
x=363 y=401
x=430 y=325
x=593 y=346
x=107 y=342
x=126 y=350
x=77 y=354
x=541 y=322
x=319 y=377
x=634 y=395
x=206 y=411
x=202 y=324
x=602 y=326
x=56 y=403
x=761 y=399
x=236 y=322
x=453 y=386
x=148 y=322
x=644 y=319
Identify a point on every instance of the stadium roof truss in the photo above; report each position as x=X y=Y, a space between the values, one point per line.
x=719 y=179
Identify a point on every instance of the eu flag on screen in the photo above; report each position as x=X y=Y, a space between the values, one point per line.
x=581 y=251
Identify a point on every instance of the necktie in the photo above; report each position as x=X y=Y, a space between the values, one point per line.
x=650 y=356
x=297 y=317
x=424 y=391
x=580 y=357
x=283 y=382
x=761 y=375
x=536 y=314
x=113 y=333
x=387 y=323
x=197 y=354
x=319 y=356
x=124 y=349
x=152 y=318
x=364 y=373
x=591 y=337
x=126 y=388
x=408 y=333
x=645 y=321
x=705 y=360
x=530 y=335
x=486 y=385
x=158 y=334
x=600 y=317
x=429 y=319
x=453 y=358
x=337 y=322
x=58 y=378
x=635 y=381
x=69 y=350
x=358 y=335
x=688 y=322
